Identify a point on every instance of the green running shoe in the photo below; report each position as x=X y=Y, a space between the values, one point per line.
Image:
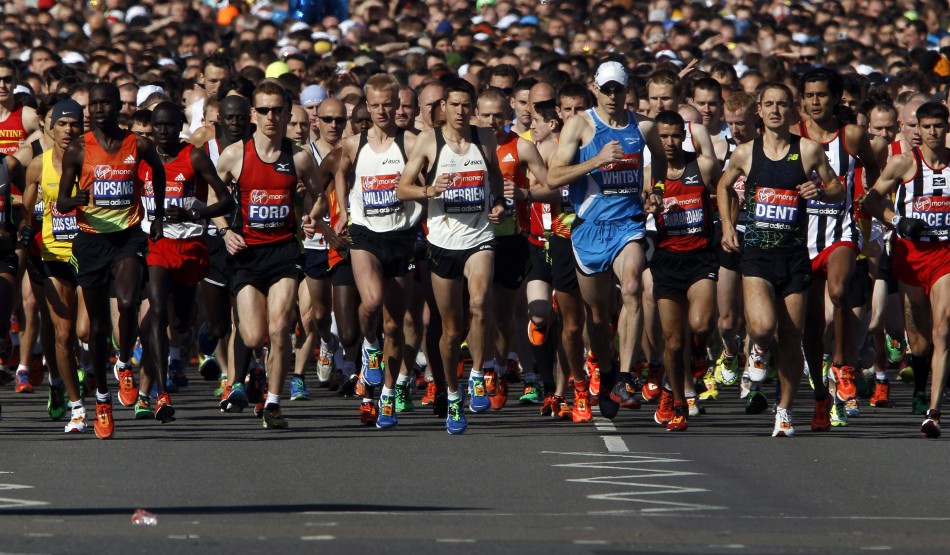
x=81 y=376
x=727 y=369
x=895 y=349
x=921 y=402
x=142 y=409
x=56 y=403
x=404 y=398
x=533 y=393
x=756 y=402
x=906 y=373
x=839 y=416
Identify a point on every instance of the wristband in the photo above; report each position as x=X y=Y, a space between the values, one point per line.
x=658 y=189
x=895 y=221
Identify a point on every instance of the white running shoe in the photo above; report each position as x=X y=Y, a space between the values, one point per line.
x=783 y=424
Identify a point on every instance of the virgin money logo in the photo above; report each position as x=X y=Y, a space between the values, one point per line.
x=149 y=189
x=922 y=204
x=103 y=172
x=766 y=195
x=258 y=196
x=668 y=202
x=454 y=179
x=370 y=182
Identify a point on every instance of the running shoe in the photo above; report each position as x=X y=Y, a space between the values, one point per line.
x=23 y=382
x=387 y=412
x=455 y=422
x=164 y=411
x=513 y=371
x=882 y=394
x=325 y=360
x=821 y=421
x=677 y=422
x=593 y=373
x=404 y=398
x=536 y=335
x=142 y=409
x=783 y=424
x=757 y=366
x=36 y=370
x=745 y=385
x=931 y=426
x=581 y=411
x=207 y=342
x=547 y=407
x=695 y=409
x=56 y=402
x=920 y=402
x=851 y=407
x=664 y=408
x=273 y=418
x=104 y=424
x=727 y=369
x=845 y=389
x=906 y=372
x=624 y=391
x=561 y=410
x=256 y=383
x=368 y=413
x=298 y=389
x=128 y=392
x=440 y=403
x=176 y=373
x=839 y=416
x=712 y=389
x=77 y=423
x=237 y=399
x=756 y=402
x=895 y=349
x=651 y=389
x=348 y=387
x=491 y=381
x=533 y=393
x=362 y=386
x=372 y=366
x=222 y=387
x=136 y=353
x=429 y=397
x=209 y=369
x=479 y=401
x=500 y=399
x=608 y=406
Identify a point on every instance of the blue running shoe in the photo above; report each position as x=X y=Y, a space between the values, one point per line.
x=176 y=373
x=387 y=412
x=209 y=368
x=480 y=402
x=372 y=367
x=237 y=399
x=137 y=353
x=455 y=422
x=298 y=389
x=170 y=385
x=207 y=342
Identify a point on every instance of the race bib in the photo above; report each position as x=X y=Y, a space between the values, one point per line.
x=466 y=192
x=935 y=212
x=268 y=211
x=64 y=225
x=379 y=194
x=623 y=177
x=112 y=188
x=683 y=214
x=776 y=209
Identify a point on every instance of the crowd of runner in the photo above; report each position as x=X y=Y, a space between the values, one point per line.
x=609 y=203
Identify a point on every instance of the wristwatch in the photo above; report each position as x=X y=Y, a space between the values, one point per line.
x=895 y=221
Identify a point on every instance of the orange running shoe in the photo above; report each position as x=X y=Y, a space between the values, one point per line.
x=821 y=421
x=368 y=413
x=593 y=372
x=23 y=382
x=164 y=412
x=128 y=392
x=104 y=425
x=360 y=385
x=547 y=407
x=677 y=422
x=664 y=409
x=844 y=380
x=536 y=336
x=882 y=394
x=429 y=397
x=581 y=411
x=500 y=398
x=561 y=410
x=491 y=382
x=651 y=389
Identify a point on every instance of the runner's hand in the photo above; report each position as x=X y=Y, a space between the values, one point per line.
x=730 y=241
x=441 y=183
x=157 y=230
x=497 y=214
x=309 y=230
x=234 y=242
x=513 y=192
x=810 y=190
x=80 y=198
x=176 y=215
x=611 y=153
x=910 y=228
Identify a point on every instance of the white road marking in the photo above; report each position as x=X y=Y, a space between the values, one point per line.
x=877 y=548
x=590 y=542
x=454 y=540
x=184 y=537
x=7 y=487
x=38 y=535
x=615 y=444
x=728 y=546
x=317 y=538
x=7 y=503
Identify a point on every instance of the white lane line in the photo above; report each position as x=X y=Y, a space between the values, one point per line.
x=319 y=524
x=590 y=542
x=317 y=538
x=183 y=537
x=38 y=535
x=728 y=546
x=604 y=425
x=615 y=444
x=8 y=503
x=876 y=548
x=11 y=553
x=454 y=540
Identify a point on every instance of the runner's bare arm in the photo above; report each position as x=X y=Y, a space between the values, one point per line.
x=229 y=167
x=701 y=141
x=562 y=170
x=900 y=168
x=73 y=159
x=658 y=174
x=149 y=155
x=530 y=156
x=343 y=169
x=859 y=140
x=419 y=159
x=814 y=158
x=738 y=166
x=34 y=172
x=308 y=172
x=224 y=203
x=710 y=172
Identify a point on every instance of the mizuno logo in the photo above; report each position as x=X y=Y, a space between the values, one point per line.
x=508 y=158
x=130 y=159
x=283 y=167
x=691 y=180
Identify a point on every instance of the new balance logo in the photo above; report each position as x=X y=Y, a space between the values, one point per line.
x=508 y=158
x=130 y=159
x=180 y=177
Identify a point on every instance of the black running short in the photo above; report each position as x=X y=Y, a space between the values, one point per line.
x=674 y=273
x=40 y=270
x=261 y=266
x=788 y=270
x=220 y=262
x=96 y=254
x=884 y=272
x=860 y=287
x=649 y=246
x=316 y=263
x=563 y=264
x=9 y=262
x=450 y=264
x=511 y=261
x=727 y=260
x=341 y=275
x=540 y=259
x=395 y=250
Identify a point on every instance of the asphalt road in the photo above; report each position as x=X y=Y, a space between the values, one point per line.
x=514 y=483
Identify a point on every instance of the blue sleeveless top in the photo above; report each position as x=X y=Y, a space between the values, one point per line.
x=611 y=192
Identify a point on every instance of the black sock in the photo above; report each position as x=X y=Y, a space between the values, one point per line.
x=242 y=358
x=921 y=366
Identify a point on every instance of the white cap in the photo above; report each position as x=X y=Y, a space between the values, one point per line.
x=610 y=71
x=299 y=26
x=165 y=62
x=73 y=58
x=145 y=92
x=507 y=21
x=313 y=94
x=287 y=51
x=22 y=89
x=135 y=11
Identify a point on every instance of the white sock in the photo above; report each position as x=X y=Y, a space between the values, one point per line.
x=104 y=397
x=386 y=392
x=367 y=344
x=22 y=368
x=174 y=353
x=880 y=375
x=421 y=361
x=454 y=395
x=122 y=365
x=403 y=379
x=272 y=399
x=477 y=373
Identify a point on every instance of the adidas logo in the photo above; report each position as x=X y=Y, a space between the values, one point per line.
x=508 y=158
x=181 y=177
x=130 y=159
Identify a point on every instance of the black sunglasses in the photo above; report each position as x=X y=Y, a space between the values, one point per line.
x=610 y=89
x=8 y=79
x=331 y=119
x=277 y=110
